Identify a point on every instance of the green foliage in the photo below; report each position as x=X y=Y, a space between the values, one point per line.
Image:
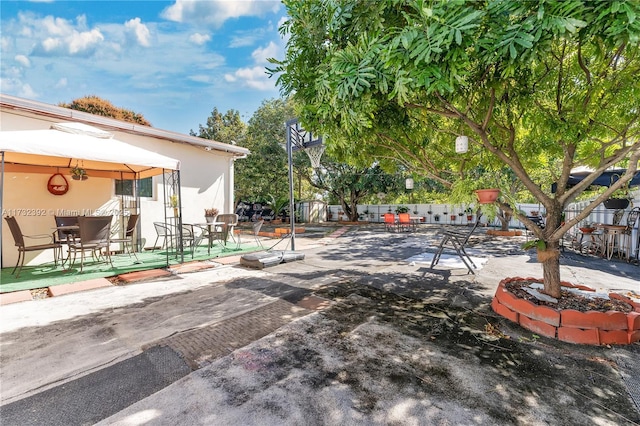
x=226 y=128
x=265 y=170
x=350 y=185
x=537 y=244
x=538 y=87
x=535 y=85
x=278 y=204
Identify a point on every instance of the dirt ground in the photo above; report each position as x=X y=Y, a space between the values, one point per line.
x=420 y=354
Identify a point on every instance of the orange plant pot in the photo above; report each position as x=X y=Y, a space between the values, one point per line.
x=487 y=196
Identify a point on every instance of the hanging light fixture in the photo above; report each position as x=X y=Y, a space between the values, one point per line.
x=408 y=183
x=462 y=144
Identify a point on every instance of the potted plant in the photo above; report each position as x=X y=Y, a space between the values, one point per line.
x=210 y=214
x=279 y=205
x=436 y=217
x=402 y=209
x=78 y=173
x=173 y=202
x=487 y=196
x=469 y=213
x=619 y=199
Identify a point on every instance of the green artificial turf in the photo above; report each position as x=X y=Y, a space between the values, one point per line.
x=48 y=275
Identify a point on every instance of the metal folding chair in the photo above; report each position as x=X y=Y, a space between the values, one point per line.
x=457 y=241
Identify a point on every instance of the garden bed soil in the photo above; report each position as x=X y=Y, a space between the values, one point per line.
x=570 y=300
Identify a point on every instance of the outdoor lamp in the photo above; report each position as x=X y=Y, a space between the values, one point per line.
x=462 y=144
x=408 y=183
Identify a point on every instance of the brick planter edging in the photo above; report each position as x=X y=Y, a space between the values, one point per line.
x=568 y=325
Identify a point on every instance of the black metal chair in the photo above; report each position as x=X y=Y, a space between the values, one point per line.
x=457 y=241
x=538 y=220
x=66 y=236
x=18 y=238
x=627 y=242
x=94 y=236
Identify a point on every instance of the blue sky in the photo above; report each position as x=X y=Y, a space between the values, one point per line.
x=171 y=61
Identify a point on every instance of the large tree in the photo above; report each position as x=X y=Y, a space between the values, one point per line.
x=98 y=106
x=350 y=184
x=264 y=172
x=530 y=83
x=227 y=127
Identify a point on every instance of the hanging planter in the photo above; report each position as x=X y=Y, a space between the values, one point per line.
x=487 y=196
x=60 y=187
x=616 y=203
x=78 y=173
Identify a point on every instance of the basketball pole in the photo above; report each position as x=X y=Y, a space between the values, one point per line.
x=291 y=202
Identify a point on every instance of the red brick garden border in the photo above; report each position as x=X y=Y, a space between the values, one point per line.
x=569 y=325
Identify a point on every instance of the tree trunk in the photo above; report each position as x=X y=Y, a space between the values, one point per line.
x=551 y=267
x=551 y=274
x=505 y=218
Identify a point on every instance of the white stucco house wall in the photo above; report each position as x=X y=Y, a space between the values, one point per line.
x=206 y=176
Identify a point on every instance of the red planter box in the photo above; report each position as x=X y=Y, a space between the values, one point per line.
x=568 y=325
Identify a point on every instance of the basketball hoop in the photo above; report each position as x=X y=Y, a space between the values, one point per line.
x=315 y=153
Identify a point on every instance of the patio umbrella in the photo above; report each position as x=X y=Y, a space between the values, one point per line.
x=607 y=178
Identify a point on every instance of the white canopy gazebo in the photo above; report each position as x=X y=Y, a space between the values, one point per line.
x=68 y=145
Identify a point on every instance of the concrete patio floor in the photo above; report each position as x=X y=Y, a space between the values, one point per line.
x=353 y=334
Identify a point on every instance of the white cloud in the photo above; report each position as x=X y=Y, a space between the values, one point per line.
x=27 y=92
x=22 y=60
x=261 y=55
x=61 y=83
x=201 y=78
x=6 y=43
x=139 y=30
x=199 y=39
x=60 y=37
x=255 y=78
x=242 y=40
x=215 y=13
x=80 y=43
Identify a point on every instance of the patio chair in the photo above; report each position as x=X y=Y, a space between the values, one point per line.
x=94 y=236
x=256 y=231
x=627 y=242
x=66 y=236
x=389 y=221
x=18 y=238
x=457 y=240
x=617 y=217
x=189 y=238
x=162 y=231
x=404 y=222
x=230 y=221
x=127 y=240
